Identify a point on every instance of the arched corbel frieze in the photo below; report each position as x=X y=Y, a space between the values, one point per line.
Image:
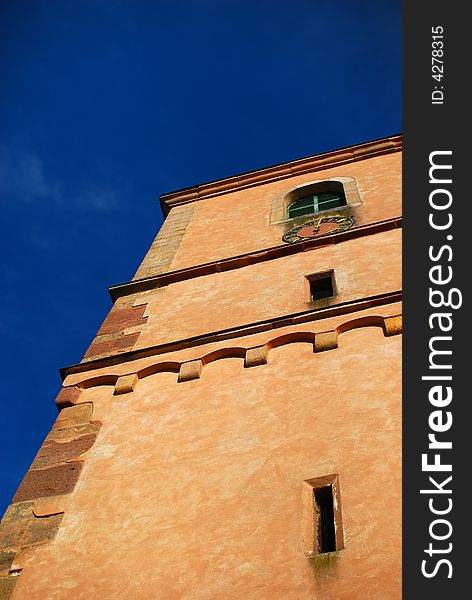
x=254 y=356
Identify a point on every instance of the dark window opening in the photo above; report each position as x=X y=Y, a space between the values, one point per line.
x=321 y=286
x=324 y=508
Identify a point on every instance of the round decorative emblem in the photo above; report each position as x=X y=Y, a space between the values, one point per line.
x=317 y=227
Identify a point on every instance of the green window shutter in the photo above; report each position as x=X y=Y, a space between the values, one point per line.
x=314 y=204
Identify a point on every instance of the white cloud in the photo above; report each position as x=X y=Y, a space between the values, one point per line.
x=24 y=179
x=99 y=199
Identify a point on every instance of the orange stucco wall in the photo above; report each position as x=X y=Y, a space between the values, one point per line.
x=363 y=267
x=238 y=222
x=193 y=484
x=194 y=490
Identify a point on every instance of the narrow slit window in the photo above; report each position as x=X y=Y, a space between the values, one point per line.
x=321 y=517
x=324 y=511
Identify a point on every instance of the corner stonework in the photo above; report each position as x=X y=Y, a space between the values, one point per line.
x=54 y=472
x=164 y=248
x=114 y=336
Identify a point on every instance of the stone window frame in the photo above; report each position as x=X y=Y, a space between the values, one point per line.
x=278 y=213
x=309 y=278
x=308 y=517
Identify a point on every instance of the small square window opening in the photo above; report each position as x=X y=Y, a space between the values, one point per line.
x=321 y=286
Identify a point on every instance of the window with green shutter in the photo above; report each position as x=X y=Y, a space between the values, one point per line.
x=314 y=203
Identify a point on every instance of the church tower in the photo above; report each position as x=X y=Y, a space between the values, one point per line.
x=234 y=429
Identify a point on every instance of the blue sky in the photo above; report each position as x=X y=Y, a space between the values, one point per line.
x=106 y=104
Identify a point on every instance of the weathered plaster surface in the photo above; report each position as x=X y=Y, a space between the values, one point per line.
x=194 y=490
x=273 y=288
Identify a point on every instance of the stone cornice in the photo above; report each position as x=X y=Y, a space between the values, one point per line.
x=235 y=332
x=281 y=171
x=243 y=260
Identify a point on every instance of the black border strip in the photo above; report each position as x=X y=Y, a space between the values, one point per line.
x=435 y=568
